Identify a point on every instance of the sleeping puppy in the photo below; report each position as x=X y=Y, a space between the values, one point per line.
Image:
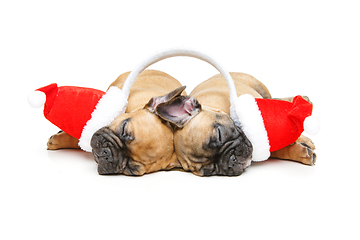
x=137 y=141
x=207 y=142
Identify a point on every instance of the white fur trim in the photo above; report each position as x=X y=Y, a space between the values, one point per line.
x=111 y=105
x=249 y=118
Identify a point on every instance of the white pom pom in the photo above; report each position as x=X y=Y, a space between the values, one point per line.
x=36 y=99
x=312 y=125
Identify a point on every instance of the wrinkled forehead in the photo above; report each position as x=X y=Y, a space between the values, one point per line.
x=206 y=120
x=147 y=124
x=153 y=140
x=203 y=127
x=140 y=120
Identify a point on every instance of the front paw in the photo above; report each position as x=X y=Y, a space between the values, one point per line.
x=62 y=140
x=54 y=141
x=304 y=151
x=308 y=156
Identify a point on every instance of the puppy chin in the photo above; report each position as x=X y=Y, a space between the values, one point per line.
x=108 y=169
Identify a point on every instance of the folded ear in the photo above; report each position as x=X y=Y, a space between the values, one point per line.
x=179 y=110
x=155 y=101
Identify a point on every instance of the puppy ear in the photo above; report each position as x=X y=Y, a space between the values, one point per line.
x=179 y=110
x=155 y=101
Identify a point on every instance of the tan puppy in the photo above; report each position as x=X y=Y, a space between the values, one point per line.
x=136 y=142
x=207 y=142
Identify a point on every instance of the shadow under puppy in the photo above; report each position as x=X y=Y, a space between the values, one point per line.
x=137 y=141
x=207 y=142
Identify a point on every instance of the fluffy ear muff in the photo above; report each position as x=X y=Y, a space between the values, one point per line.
x=179 y=110
x=155 y=101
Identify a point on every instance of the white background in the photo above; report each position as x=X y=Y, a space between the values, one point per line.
x=309 y=48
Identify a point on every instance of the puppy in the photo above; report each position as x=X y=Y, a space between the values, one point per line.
x=138 y=141
x=207 y=142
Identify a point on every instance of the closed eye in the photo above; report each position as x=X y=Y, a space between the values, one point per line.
x=124 y=134
x=219 y=134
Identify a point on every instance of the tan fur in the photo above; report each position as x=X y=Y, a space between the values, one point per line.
x=153 y=147
x=191 y=140
x=213 y=95
x=62 y=140
x=150 y=83
x=214 y=92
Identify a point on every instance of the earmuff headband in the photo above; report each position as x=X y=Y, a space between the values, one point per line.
x=175 y=52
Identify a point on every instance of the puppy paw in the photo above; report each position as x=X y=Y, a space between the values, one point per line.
x=53 y=142
x=305 y=151
x=62 y=140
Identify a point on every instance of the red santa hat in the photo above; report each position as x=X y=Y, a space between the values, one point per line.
x=79 y=111
x=273 y=124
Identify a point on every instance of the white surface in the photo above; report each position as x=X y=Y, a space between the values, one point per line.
x=310 y=48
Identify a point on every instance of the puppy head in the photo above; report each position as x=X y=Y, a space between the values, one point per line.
x=207 y=142
x=136 y=143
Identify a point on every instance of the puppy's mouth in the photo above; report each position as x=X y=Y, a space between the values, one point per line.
x=108 y=152
x=235 y=156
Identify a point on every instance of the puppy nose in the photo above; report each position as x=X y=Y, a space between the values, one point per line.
x=104 y=147
x=102 y=154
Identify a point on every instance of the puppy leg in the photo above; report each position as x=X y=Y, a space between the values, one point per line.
x=300 y=151
x=62 y=140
